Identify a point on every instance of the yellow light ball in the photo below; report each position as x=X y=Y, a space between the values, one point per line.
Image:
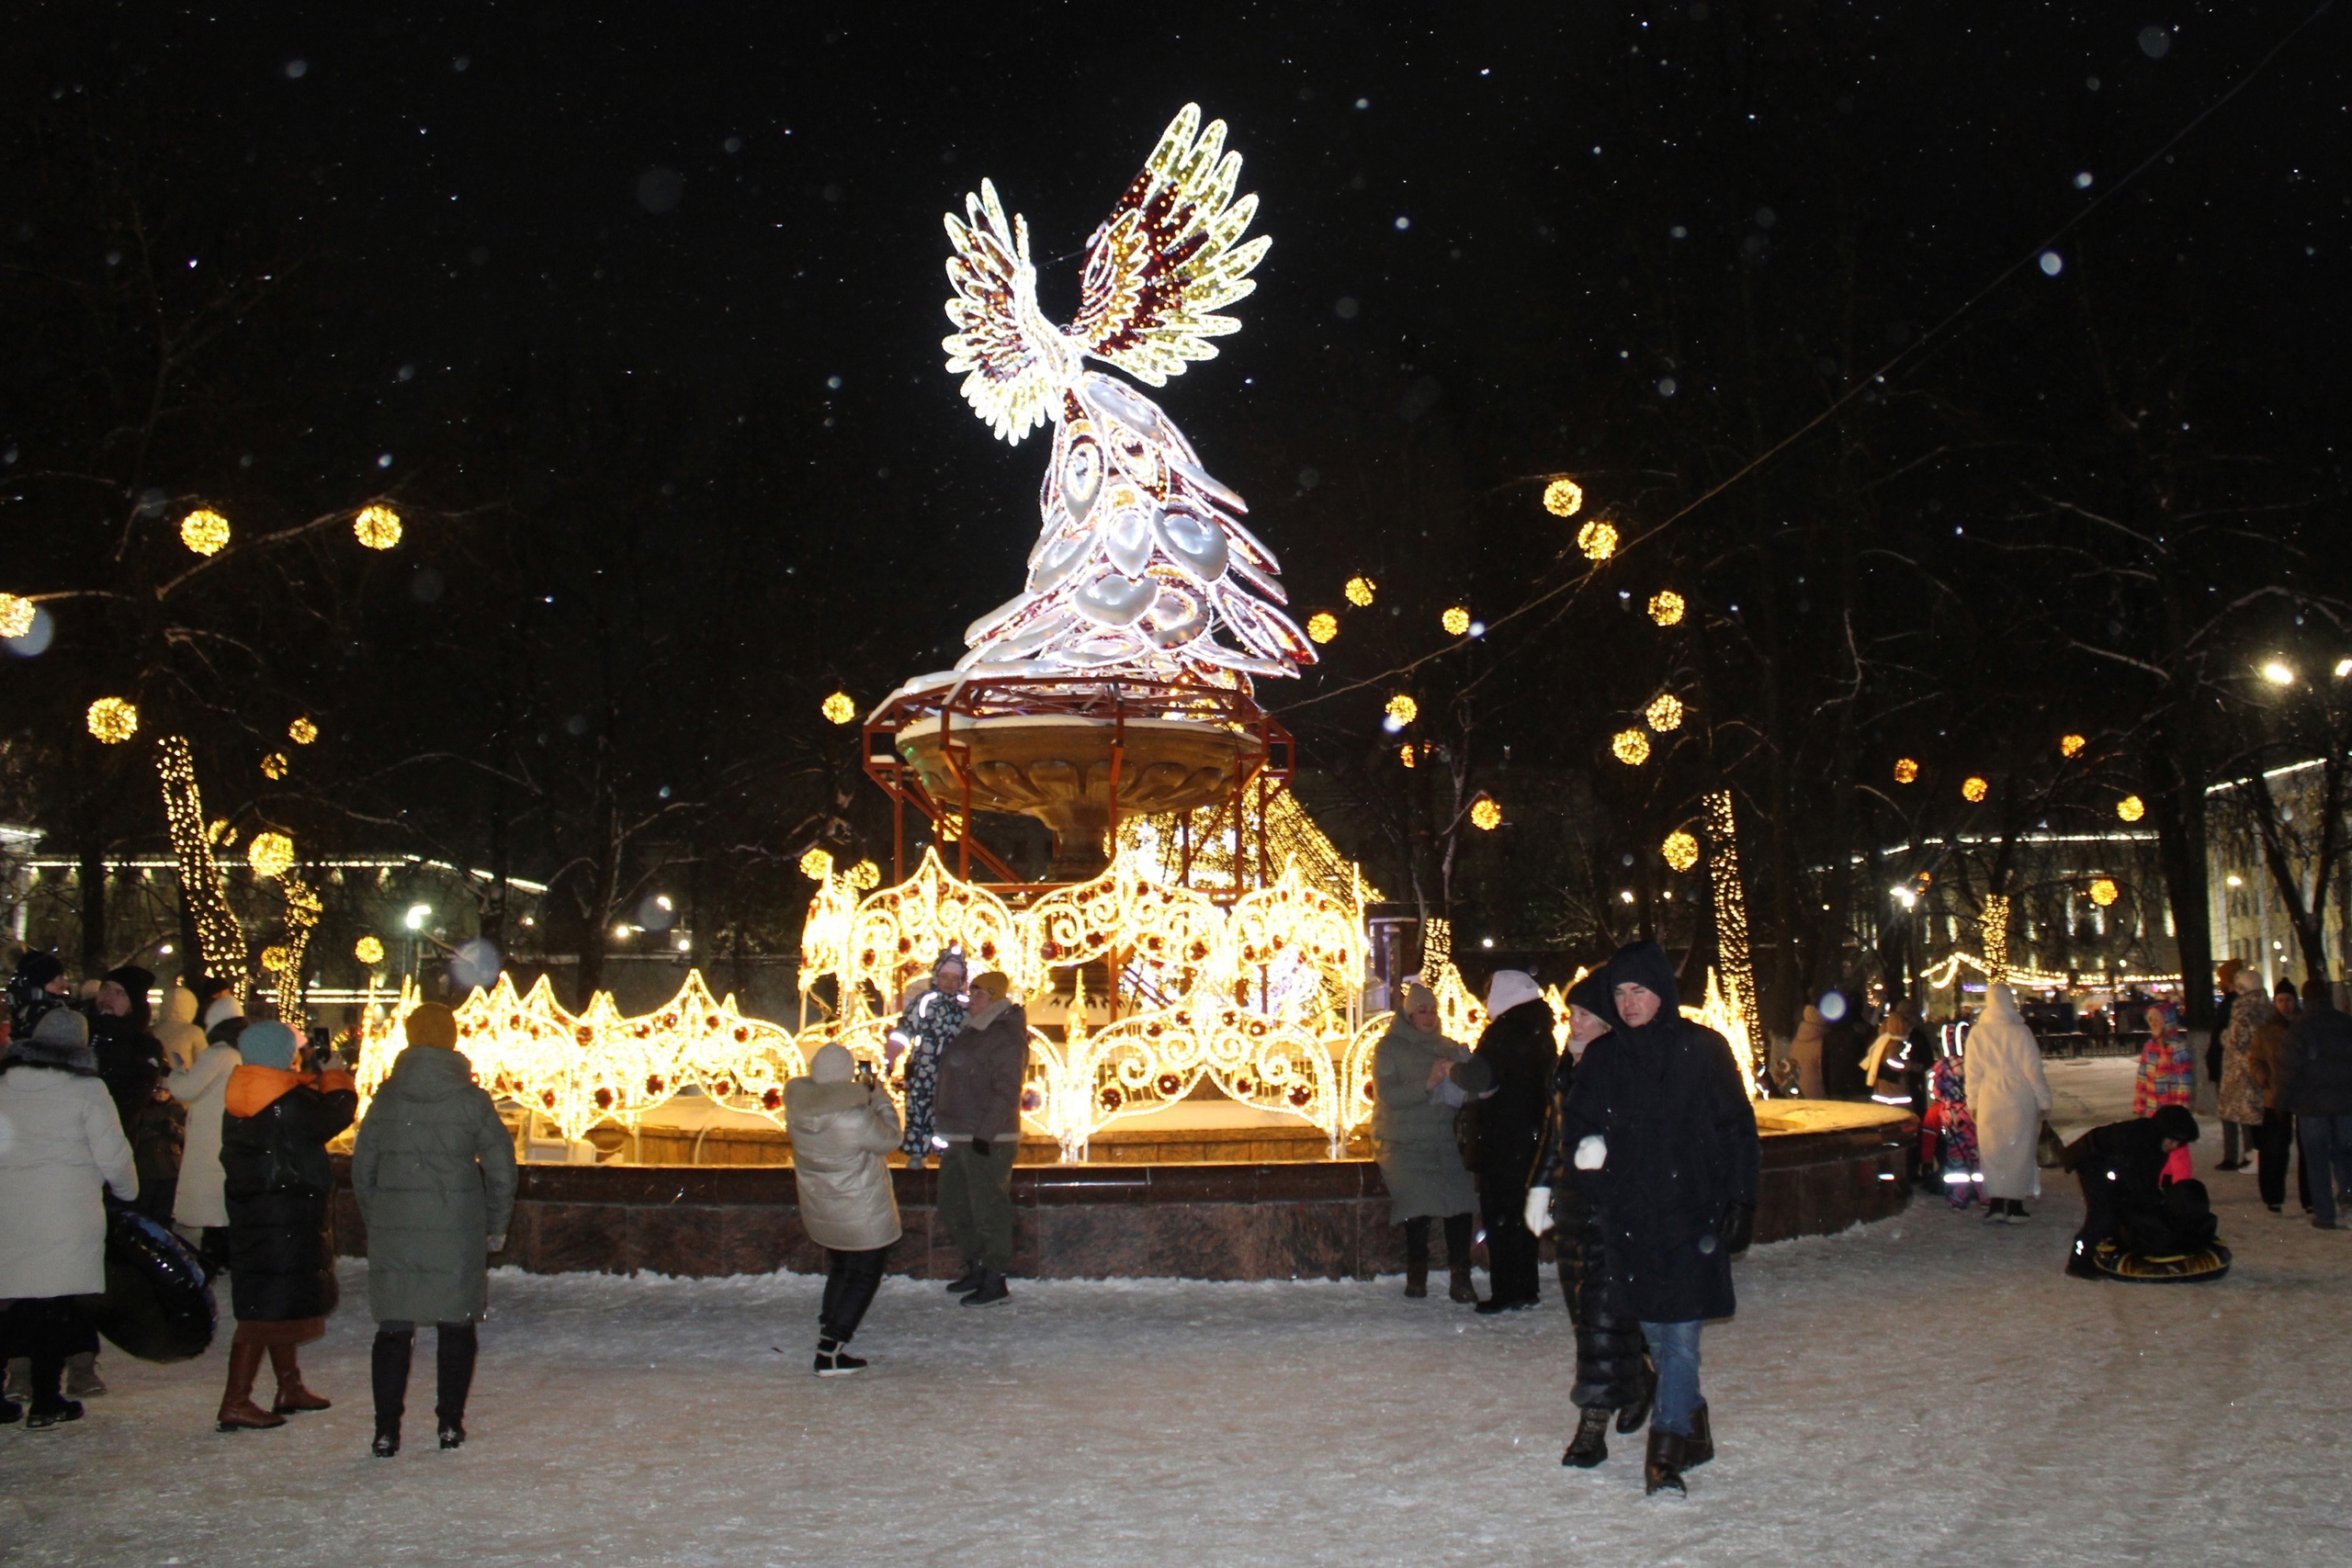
x=270 y=855
x=1665 y=713
x=1630 y=747
x=816 y=865
x=1974 y=789
x=204 y=531
x=865 y=876
x=1563 y=497
x=1681 y=849
x=2071 y=745
x=1403 y=709
x=1666 y=607
x=2104 y=892
x=2131 y=809
x=302 y=732
x=1457 y=620
x=275 y=765
x=1359 y=591
x=1408 y=755
x=112 y=720
x=1322 y=625
x=1597 y=540
x=15 y=615
x=378 y=527
x=275 y=959
x=1905 y=771
x=838 y=709
x=1485 y=815
x=367 y=950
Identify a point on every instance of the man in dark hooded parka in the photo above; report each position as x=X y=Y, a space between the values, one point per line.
x=1662 y=1135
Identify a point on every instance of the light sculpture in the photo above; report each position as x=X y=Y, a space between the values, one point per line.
x=376 y=528
x=1665 y=713
x=2071 y=745
x=1359 y=591
x=269 y=853
x=204 y=531
x=1597 y=540
x=112 y=720
x=1322 y=625
x=1666 y=607
x=369 y=949
x=1906 y=771
x=1563 y=497
x=1630 y=747
x=2131 y=809
x=1142 y=567
x=1974 y=789
x=17 y=614
x=838 y=709
x=2104 y=892
x=1679 y=849
x=1485 y=813
x=302 y=732
x=1403 y=709
x=1457 y=619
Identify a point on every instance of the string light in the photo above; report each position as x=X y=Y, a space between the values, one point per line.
x=204 y=531
x=1457 y=620
x=1666 y=607
x=1485 y=815
x=817 y=864
x=17 y=614
x=1906 y=771
x=378 y=527
x=1597 y=540
x=2131 y=809
x=838 y=709
x=275 y=765
x=1681 y=849
x=112 y=720
x=1741 y=1023
x=2104 y=892
x=1322 y=625
x=2071 y=745
x=220 y=941
x=269 y=853
x=865 y=876
x=1403 y=709
x=1408 y=755
x=302 y=732
x=1630 y=747
x=369 y=949
x=1974 y=789
x=1359 y=591
x=1992 y=927
x=1563 y=497
x=1665 y=713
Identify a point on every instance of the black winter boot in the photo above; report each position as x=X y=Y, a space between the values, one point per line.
x=1417 y=1280
x=1662 y=1468
x=971 y=1279
x=1634 y=1416
x=1461 y=1290
x=388 y=1363
x=1700 y=1446
x=453 y=1348
x=1590 y=1445
x=991 y=1290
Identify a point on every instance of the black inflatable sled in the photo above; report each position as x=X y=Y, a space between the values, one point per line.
x=156 y=1307
x=2209 y=1262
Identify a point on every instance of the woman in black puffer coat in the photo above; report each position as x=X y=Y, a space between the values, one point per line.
x=1613 y=1371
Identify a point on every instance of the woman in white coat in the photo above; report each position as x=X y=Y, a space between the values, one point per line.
x=203 y=1086
x=60 y=1148
x=2008 y=1097
x=840 y=1129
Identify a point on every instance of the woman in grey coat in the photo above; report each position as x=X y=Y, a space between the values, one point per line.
x=434 y=1171
x=840 y=1128
x=1420 y=1079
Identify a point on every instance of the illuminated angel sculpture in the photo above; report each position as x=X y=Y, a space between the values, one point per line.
x=1142 y=561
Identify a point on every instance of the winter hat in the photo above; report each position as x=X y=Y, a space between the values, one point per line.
x=226 y=1005
x=38 y=970
x=950 y=959
x=994 y=983
x=225 y=1032
x=268 y=1044
x=832 y=1064
x=431 y=1024
x=2247 y=982
x=2176 y=1122
x=1511 y=989
x=1592 y=993
x=1643 y=964
x=1416 y=995
x=136 y=983
x=61 y=1039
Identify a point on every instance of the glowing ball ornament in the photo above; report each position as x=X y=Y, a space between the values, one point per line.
x=275 y=765
x=2104 y=892
x=15 y=615
x=1403 y=709
x=1457 y=620
x=2071 y=745
x=1666 y=607
x=270 y=855
x=302 y=732
x=1630 y=747
x=1905 y=771
x=1322 y=625
x=1665 y=713
x=1974 y=789
x=204 y=531
x=275 y=959
x=1359 y=591
x=1598 y=541
x=838 y=709
x=367 y=950
x=378 y=527
x=2131 y=809
x=1408 y=755
x=1485 y=813
x=1563 y=498
x=816 y=865
x=112 y=720
x=866 y=877
x=1681 y=849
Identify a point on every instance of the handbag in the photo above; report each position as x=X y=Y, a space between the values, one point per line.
x=2048 y=1152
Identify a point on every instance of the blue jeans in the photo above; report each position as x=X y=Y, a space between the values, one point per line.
x=1674 y=1350
x=2327 y=1161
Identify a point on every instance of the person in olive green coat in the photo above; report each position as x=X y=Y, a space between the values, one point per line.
x=434 y=1171
x=1420 y=1079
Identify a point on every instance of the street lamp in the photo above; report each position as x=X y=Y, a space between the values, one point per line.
x=416 y=916
x=2278 y=673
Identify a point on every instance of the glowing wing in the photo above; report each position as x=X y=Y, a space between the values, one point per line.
x=1014 y=357
x=1168 y=256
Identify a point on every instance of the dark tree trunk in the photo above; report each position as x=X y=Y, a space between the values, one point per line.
x=92 y=889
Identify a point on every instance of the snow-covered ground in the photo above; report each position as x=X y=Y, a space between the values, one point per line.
x=1929 y=1389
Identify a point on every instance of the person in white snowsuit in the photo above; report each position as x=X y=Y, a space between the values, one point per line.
x=2009 y=1096
x=933 y=1018
x=202 y=1206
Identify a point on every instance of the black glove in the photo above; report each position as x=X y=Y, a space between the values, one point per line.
x=980 y=1147
x=1738 y=1228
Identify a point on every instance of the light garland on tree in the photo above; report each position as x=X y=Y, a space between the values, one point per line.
x=1992 y=929
x=221 y=941
x=1743 y=1024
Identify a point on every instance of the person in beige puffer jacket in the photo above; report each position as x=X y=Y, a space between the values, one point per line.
x=840 y=1129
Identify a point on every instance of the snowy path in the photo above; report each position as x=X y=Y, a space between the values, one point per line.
x=1927 y=1390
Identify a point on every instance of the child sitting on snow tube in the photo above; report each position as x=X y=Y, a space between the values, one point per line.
x=2138 y=1226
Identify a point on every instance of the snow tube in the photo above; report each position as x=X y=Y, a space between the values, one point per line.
x=156 y=1307
x=2161 y=1268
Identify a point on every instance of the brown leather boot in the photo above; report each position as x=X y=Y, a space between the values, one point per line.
x=1662 y=1468
x=1700 y=1446
x=238 y=1411
x=293 y=1397
x=1417 y=1280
